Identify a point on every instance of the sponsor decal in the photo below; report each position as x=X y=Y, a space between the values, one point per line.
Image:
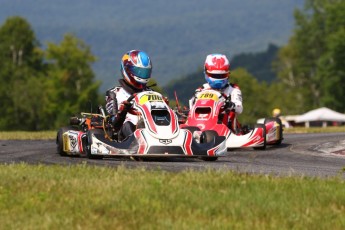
x=150 y=97
x=65 y=143
x=94 y=150
x=165 y=141
x=207 y=95
x=73 y=141
x=272 y=135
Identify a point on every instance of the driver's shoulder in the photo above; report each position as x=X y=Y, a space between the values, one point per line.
x=234 y=85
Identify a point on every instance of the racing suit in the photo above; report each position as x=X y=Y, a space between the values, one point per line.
x=121 y=119
x=232 y=93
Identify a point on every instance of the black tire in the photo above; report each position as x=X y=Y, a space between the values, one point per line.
x=87 y=148
x=209 y=158
x=264 y=134
x=277 y=120
x=59 y=139
x=135 y=158
x=206 y=137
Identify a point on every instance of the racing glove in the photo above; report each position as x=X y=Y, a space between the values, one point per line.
x=125 y=107
x=120 y=117
x=109 y=107
x=229 y=105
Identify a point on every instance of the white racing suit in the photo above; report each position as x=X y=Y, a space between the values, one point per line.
x=230 y=90
x=122 y=92
x=121 y=96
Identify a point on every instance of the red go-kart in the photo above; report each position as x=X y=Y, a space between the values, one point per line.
x=208 y=113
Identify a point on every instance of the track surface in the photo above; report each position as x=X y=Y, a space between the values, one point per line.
x=320 y=155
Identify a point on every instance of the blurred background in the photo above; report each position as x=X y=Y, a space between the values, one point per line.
x=59 y=57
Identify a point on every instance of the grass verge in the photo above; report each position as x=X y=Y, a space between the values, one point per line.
x=27 y=135
x=332 y=129
x=90 y=197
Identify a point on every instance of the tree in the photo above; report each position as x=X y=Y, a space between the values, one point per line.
x=71 y=86
x=258 y=64
x=331 y=64
x=21 y=66
x=255 y=103
x=311 y=66
x=41 y=89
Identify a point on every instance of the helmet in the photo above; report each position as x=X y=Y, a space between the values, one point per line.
x=276 y=112
x=217 y=69
x=136 y=68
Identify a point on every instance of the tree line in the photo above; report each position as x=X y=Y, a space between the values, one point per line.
x=310 y=68
x=41 y=88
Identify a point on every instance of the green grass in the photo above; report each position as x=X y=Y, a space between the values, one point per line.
x=90 y=197
x=330 y=129
x=27 y=135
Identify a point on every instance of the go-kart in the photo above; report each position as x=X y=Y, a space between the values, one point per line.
x=208 y=113
x=157 y=134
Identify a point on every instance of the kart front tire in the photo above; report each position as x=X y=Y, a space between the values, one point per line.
x=59 y=139
x=279 y=122
x=206 y=137
x=209 y=158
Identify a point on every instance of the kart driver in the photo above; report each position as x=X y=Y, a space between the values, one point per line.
x=217 y=71
x=136 y=68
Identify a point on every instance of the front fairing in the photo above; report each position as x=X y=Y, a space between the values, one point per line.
x=160 y=120
x=205 y=112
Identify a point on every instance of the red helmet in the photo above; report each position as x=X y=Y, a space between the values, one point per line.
x=217 y=69
x=136 y=68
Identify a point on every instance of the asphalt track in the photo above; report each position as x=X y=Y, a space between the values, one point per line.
x=311 y=155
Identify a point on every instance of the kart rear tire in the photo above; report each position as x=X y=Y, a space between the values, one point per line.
x=59 y=139
x=277 y=120
x=264 y=134
x=206 y=137
x=89 y=142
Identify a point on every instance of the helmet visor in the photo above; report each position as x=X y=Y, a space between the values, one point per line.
x=144 y=73
x=218 y=76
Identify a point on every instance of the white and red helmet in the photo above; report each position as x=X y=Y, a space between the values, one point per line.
x=217 y=69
